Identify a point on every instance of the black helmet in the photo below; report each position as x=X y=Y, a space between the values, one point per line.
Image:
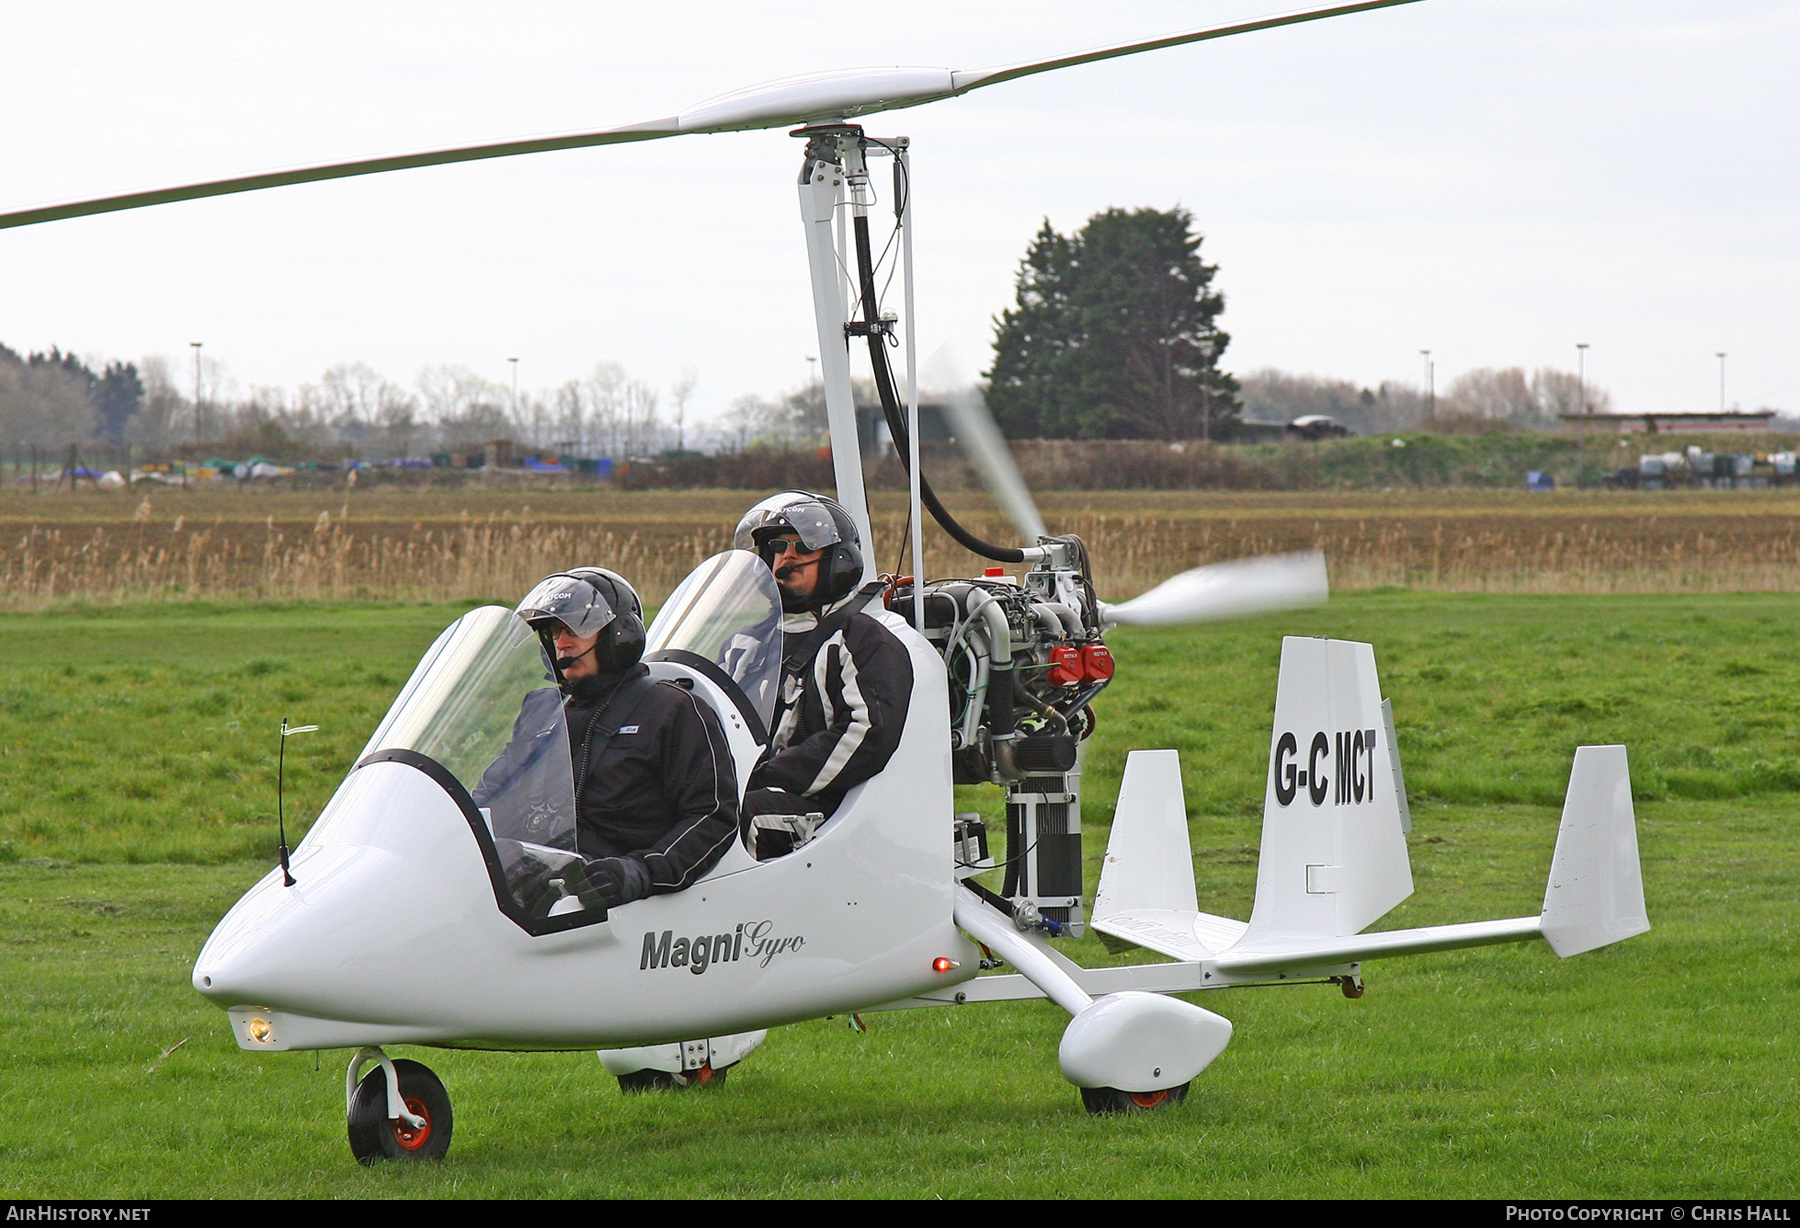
x=587 y=600
x=821 y=524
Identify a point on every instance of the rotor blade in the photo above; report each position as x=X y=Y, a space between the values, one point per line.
x=1227 y=590
x=338 y=170
x=982 y=442
x=966 y=81
x=848 y=94
x=820 y=97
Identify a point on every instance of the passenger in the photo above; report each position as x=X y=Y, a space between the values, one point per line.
x=655 y=788
x=846 y=679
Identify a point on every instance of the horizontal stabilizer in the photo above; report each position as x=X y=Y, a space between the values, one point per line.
x=1312 y=952
x=1596 y=891
x=1179 y=934
x=1595 y=895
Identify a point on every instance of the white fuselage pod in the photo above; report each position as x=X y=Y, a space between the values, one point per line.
x=392 y=932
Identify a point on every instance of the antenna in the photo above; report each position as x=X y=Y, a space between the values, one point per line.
x=287 y=731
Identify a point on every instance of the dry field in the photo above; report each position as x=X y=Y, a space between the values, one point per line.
x=401 y=544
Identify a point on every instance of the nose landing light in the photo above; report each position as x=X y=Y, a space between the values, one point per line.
x=255 y=1025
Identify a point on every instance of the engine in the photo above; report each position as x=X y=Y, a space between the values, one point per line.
x=1025 y=659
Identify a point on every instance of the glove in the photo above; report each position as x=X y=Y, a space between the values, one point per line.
x=618 y=880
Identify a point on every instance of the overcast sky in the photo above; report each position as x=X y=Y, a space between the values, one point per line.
x=1496 y=180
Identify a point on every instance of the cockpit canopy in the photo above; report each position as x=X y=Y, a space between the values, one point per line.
x=482 y=714
x=727 y=613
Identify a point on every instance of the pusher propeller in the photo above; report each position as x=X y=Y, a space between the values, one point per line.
x=984 y=445
x=1234 y=589
x=1227 y=590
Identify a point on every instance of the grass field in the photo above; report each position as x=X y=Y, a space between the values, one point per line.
x=136 y=800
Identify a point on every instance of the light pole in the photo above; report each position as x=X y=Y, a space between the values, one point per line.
x=515 y=369
x=1430 y=388
x=1720 y=355
x=1581 y=349
x=196 y=345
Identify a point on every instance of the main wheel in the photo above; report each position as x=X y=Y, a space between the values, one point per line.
x=706 y=1076
x=663 y=1080
x=374 y=1136
x=1112 y=1100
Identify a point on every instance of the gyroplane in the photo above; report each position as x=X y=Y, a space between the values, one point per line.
x=411 y=914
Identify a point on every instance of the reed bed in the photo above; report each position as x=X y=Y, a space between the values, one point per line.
x=417 y=546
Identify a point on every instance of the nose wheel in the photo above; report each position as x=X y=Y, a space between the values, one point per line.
x=663 y=1080
x=415 y=1124
x=1098 y=1100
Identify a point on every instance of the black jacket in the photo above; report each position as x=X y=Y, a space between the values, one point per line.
x=841 y=715
x=661 y=793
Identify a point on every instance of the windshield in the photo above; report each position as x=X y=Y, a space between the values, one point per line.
x=483 y=707
x=728 y=612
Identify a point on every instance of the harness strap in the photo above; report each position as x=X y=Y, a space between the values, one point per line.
x=795 y=660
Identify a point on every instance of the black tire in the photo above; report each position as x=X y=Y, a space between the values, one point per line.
x=1100 y=1100
x=373 y=1136
x=639 y=1081
x=663 y=1080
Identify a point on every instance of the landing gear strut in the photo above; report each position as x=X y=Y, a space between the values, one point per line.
x=398 y=1111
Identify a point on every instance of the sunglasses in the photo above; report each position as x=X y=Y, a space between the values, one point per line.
x=779 y=546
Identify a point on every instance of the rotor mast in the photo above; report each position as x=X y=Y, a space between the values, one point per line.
x=832 y=170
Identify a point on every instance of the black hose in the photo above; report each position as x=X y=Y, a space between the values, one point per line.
x=890 y=408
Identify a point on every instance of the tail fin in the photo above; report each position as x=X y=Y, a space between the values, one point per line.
x=1596 y=891
x=1333 y=848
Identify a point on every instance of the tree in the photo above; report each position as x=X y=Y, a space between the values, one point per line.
x=117 y=398
x=1114 y=335
x=1506 y=394
x=1276 y=396
x=46 y=399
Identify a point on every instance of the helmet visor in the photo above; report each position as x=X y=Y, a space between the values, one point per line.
x=572 y=601
x=807 y=518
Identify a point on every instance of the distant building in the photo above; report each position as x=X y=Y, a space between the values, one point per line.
x=872 y=428
x=1659 y=424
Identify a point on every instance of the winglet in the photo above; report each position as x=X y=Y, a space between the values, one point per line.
x=1596 y=890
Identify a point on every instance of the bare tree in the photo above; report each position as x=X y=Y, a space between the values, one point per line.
x=154 y=425
x=1562 y=392
x=43 y=404
x=1269 y=395
x=617 y=414
x=362 y=403
x=1501 y=394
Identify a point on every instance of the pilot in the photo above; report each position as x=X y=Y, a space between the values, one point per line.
x=846 y=679
x=655 y=789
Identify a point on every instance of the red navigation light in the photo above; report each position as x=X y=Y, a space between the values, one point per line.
x=943 y=963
